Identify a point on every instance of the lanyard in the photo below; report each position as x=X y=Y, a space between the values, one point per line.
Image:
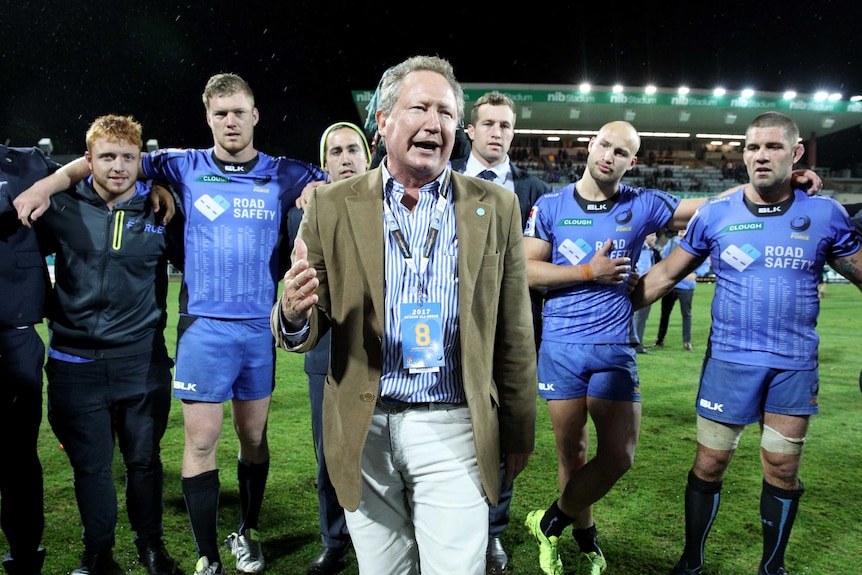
x=433 y=229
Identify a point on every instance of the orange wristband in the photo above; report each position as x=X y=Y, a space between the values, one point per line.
x=586 y=272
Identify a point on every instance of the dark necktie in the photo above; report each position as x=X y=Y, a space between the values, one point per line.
x=487 y=175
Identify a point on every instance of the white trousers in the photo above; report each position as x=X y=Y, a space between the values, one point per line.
x=422 y=499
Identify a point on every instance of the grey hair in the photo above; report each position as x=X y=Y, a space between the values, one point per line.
x=390 y=87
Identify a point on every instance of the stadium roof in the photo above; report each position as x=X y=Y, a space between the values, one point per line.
x=700 y=115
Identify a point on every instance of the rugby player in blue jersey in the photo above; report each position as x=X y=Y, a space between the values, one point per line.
x=768 y=243
x=580 y=242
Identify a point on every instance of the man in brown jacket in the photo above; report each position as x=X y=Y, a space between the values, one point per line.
x=420 y=274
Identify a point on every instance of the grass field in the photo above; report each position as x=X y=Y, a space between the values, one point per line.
x=640 y=522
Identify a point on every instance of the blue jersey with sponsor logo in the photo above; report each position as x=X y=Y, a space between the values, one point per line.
x=768 y=261
x=589 y=312
x=231 y=229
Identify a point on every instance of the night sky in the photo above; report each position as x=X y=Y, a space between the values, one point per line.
x=64 y=63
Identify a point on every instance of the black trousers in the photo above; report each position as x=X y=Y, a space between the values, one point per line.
x=22 y=355
x=91 y=404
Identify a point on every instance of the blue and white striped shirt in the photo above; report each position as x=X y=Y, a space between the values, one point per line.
x=440 y=284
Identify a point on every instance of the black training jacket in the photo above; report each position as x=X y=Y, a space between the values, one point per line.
x=110 y=274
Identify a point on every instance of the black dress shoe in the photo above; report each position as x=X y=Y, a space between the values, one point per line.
x=155 y=559
x=496 y=561
x=96 y=564
x=329 y=561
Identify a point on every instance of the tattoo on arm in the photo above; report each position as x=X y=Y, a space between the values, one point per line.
x=850 y=267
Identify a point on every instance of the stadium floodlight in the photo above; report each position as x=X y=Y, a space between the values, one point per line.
x=747 y=93
x=719 y=92
x=617 y=88
x=585 y=87
x=789 y=94
x=683 y=90
x=46 y=145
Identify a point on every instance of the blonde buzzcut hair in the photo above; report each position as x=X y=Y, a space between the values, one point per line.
x=226 y=84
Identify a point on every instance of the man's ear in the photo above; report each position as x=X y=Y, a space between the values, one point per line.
x=798 y=152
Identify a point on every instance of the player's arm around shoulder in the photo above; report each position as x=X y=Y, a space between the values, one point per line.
x=33 y=201
x=661 y=278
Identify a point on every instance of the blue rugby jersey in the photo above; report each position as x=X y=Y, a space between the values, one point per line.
x=590 y=312
x=231 y=229
x=767 y=268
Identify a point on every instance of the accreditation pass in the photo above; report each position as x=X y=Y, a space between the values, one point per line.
x=421 y=337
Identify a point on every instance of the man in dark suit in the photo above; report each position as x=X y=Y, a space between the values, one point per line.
x=491 y=131
x=23 y=281
x=344 y=152
x=414 y=432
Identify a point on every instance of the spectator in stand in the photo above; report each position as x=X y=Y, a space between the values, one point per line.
x=648 y=258
x=683 y=292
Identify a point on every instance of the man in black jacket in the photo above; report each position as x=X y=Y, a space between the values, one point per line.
x=491 y=130
x=23 y=281
x=108 y=368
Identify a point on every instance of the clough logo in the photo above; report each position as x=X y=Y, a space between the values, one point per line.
x=214 y=179
x=746 y=227
x=576 y=222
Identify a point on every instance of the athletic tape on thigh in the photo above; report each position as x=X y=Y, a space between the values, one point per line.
x=715 y=435
x=774 y=442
